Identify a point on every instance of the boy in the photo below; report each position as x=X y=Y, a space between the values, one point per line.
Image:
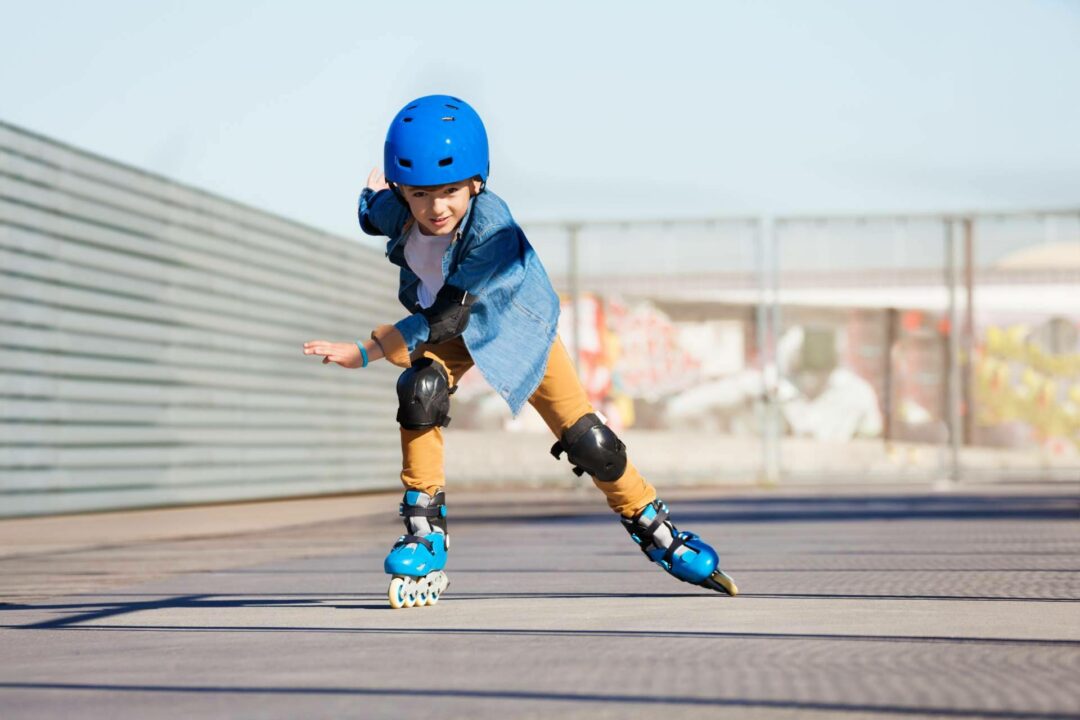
x=479 y=295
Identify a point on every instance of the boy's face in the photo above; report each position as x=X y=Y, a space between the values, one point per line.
x=440 y=208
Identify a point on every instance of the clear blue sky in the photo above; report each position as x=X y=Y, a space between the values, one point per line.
x=594 y=109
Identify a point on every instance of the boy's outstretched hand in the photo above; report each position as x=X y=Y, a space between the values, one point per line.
x=344 y=354
x=377 y=181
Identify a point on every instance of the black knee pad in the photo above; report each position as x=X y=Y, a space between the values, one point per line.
x=423 y=396
x=591 y=447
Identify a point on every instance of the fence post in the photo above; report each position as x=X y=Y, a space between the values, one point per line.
x=767 y=328
x=968 y=407
x=952 y=351
x=575 y=293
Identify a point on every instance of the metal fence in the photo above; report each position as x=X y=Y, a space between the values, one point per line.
x=150 y=343
x=863 y=347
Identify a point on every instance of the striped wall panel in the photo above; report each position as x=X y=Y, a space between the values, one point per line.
x=150 y=343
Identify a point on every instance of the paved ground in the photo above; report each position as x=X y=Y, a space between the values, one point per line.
x=897 y=604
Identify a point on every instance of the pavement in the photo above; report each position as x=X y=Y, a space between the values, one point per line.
x=856 y=602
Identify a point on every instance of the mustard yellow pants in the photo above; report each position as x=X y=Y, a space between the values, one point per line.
x=561 y=401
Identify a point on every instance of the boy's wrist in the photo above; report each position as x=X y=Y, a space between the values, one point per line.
x=391 y=345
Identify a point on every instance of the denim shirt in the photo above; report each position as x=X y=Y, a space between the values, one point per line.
x=515 y=315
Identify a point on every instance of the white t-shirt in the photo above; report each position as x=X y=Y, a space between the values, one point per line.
x=424 y=254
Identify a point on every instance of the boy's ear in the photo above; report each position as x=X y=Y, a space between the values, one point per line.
x=475 y=185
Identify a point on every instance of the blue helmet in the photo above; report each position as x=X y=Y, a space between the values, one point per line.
x=436 y=140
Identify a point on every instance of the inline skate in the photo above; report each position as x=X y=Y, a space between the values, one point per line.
x=682 y=554
x=417 y=559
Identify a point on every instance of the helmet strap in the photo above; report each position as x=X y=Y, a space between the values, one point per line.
x=397 y=192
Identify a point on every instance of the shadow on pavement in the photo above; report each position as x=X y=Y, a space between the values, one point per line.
x=80 y=613
x=97 y=611
x=834 y=509
x=434 y=693
x=93 y=611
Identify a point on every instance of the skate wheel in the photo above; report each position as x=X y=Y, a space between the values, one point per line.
x=410 y=592
x=437 y=583
x=396 y=594
x=423 y=592
x=720 y=581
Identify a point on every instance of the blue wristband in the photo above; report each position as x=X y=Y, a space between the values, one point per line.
x=363 y=353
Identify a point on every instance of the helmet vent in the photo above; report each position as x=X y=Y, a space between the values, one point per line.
x=406 y=119
x=452 y=107
x=412 y=107
x=404 y=163
x=448 y=118
x=446 y=161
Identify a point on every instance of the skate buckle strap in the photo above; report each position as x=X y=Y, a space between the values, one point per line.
x=679 y=541
x=415 y=511
x=415 y=539
x=643 y=534
x=661 y=517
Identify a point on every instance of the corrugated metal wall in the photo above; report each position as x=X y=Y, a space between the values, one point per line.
x=150 y=343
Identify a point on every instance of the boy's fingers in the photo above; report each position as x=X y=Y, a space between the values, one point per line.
x=376 y=180
x=329 y=351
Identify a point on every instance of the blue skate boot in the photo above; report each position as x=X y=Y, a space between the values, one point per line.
x=418 y=557
x=682 y=554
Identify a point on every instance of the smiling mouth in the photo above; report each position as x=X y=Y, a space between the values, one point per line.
x=440 y=221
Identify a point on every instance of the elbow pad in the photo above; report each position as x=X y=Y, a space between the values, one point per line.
x=449 y=314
